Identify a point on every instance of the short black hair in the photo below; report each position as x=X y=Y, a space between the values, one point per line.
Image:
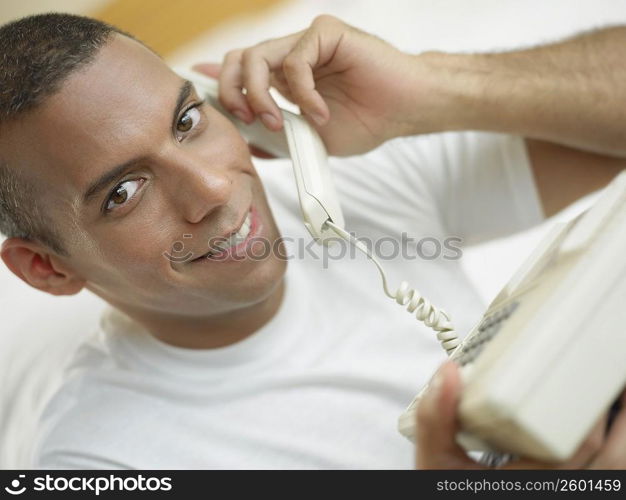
x=37 y=54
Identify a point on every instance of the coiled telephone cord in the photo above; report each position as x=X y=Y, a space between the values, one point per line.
x=431 y=316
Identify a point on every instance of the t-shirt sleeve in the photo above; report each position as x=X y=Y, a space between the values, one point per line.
x=473 y=185
x=481 y=182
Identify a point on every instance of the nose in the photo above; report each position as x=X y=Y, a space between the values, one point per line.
x=197 y=185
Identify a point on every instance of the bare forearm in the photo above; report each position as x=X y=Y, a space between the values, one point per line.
x=572 y=92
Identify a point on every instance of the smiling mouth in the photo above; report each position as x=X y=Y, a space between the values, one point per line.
x=221 y=246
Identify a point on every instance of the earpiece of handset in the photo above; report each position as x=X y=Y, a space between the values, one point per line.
x=300 y=142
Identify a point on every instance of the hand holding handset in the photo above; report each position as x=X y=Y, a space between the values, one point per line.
x=301 y=143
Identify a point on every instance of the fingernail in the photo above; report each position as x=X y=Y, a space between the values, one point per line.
x=436 y=382
x=269 y=120
x=242 y=115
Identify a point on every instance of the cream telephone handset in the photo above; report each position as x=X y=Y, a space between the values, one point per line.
x=548 y=356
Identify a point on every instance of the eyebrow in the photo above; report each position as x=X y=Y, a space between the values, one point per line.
x=112 y=175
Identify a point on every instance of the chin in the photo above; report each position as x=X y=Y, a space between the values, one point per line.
x=259 y=285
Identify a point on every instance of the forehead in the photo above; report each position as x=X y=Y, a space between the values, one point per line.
x=105 y=113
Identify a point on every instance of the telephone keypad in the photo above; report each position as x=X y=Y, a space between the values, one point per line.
x=485 y=331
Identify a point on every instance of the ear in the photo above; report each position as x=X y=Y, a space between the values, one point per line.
x=35 y=265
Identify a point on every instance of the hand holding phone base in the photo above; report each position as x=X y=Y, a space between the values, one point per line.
x=546 y=361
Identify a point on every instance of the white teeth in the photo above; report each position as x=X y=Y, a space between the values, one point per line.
x=235 y=238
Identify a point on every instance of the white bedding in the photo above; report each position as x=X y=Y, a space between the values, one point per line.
x=38 y=332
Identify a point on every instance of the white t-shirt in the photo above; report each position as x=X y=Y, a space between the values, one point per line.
x=323 y=383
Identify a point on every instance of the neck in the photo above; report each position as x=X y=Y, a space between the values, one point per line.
x=213 y=331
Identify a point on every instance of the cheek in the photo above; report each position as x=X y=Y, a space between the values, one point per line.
x=142 y=248
x=132 y=257
x=222 y=141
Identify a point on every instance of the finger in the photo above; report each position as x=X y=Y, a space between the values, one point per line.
x=260 y=153
x=209 y=69
x=231 y=87
x=437 y=423
x=278 y=81
x=256 y=72
x=314 y=49
x=438 y=409
x=613 y=454
x=257 y=65
x=299 y=76
x=589 y=449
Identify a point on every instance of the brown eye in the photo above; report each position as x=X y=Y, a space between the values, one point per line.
x=120 y=195
x=185 y=123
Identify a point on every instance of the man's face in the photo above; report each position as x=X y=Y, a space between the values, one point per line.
x=184 y=170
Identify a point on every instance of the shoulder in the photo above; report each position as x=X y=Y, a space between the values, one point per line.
x=81 y=426
x=89 y=415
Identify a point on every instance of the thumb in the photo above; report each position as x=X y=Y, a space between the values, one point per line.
x=209 y=69
x=437 y=423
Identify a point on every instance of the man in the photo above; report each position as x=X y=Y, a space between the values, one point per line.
x=113 y=168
